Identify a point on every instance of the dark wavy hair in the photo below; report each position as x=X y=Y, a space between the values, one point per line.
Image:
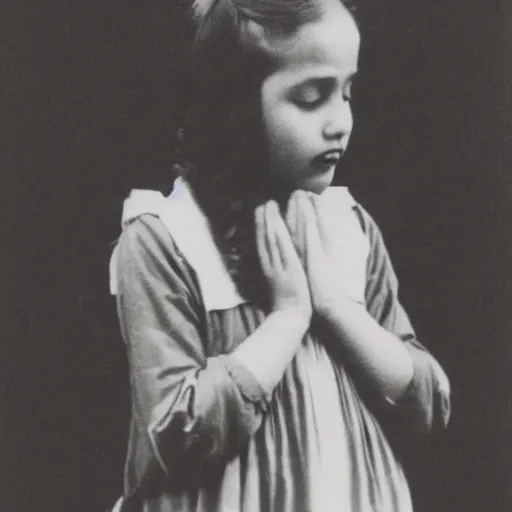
x=221 y=149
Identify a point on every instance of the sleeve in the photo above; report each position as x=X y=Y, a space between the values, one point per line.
x=426 y=403
x=195 y=410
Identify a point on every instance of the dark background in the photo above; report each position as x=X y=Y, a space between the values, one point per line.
x=89 y=97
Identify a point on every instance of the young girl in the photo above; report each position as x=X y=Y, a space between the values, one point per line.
x=270 y=359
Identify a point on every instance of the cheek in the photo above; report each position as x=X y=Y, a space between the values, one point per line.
x=275 y=129
x=277 y=113
x=288 y=131
x=285 y=126
x=284 y=142
x=274 y=116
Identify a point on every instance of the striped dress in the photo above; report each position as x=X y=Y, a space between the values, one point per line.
x=205 y=436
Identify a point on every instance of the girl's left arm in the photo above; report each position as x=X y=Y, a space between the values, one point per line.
x=381 y=344
x=376 y=339
x=427 y=399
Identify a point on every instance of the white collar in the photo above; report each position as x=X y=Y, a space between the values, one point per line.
x=192 y=234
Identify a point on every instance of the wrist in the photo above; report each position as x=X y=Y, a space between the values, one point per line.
x=295 y=318
x=335 y=309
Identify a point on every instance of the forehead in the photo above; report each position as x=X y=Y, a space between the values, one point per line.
x=331 y=42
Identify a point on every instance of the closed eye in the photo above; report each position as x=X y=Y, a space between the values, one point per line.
x=313 y=93
x=309 y=101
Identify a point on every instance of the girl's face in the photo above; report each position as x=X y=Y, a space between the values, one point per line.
x=306 y=110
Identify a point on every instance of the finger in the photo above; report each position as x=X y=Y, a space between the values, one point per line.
x=299 y=200
x=271 y=217
x=285 y=244
x=298 y=233
x=291 y=217
x=261 y=243
x=307 y=217
x=312 y=240
x=321 y=222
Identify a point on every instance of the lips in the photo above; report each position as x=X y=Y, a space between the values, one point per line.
x=328 y=158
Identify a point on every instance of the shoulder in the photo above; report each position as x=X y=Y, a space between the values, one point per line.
x=142 y=238
x=145 y=233
x=147 y=257
x=378 y=257
x=147 y=249
x=147 y=242
x=368 y=224
x=342 y=198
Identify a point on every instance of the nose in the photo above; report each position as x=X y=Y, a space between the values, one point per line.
x=339 y=120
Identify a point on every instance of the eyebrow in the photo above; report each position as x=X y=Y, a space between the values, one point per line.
x=322 y=79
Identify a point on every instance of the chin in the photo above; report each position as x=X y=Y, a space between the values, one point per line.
x=318 y=184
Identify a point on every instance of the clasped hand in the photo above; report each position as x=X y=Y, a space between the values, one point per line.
x=297 y=256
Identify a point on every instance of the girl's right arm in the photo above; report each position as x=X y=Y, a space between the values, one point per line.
x=192 y=411
x=289 y=296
